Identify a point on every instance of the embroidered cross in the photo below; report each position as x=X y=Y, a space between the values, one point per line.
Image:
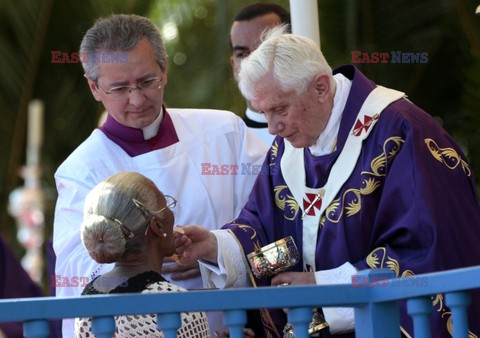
x=367 y=122
x=312 y=202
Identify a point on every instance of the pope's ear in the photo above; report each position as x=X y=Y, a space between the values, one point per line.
x=322 y=87
x=94 y=89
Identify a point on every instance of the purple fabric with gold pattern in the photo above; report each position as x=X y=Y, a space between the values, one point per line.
x=410 y=204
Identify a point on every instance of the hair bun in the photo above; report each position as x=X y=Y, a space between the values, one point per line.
x=103 y=238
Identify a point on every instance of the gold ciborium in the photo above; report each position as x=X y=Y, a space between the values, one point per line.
x=277 y=257
x=274 y=258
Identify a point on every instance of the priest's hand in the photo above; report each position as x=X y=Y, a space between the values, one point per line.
x=193 y=242
x=294 y=278
x=180 y=272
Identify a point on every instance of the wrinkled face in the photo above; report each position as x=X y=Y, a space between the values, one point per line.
x=245 y=37
x=299 y=118
x=136 y=109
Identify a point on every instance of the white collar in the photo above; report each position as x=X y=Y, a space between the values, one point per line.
x=152 y=129
x=255 y=116
x=327 y=141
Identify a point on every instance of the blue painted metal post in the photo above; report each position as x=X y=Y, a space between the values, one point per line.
x=420 y=309
x=103 y=327
x=376 y=319
x=36 y=328
x=169 y=323
x=300 y=318
x=459 y=302
x=235 y=320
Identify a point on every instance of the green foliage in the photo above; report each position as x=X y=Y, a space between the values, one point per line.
x=29 y=31
x=200 y=74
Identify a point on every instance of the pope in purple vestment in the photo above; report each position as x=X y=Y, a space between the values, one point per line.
x=410 y=203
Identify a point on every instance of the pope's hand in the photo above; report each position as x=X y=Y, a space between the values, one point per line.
x=193 y=242
x=294 y=278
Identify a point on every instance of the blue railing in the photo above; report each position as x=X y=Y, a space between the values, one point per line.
x=376 y=308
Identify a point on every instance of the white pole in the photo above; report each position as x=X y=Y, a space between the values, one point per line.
x=304 y=15
x=34 y=132
x=27 y=203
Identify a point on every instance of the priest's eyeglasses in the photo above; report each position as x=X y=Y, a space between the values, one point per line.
x=147 y=86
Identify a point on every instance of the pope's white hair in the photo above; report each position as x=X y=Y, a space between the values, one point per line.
x=293 y=60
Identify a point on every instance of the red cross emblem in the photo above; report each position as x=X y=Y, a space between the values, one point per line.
x=367 y=122
x=310 y=204
x=359 y=126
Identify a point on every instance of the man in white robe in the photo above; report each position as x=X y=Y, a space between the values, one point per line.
x=206 y=159
x=247 y=28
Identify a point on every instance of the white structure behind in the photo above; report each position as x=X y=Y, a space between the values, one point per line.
x=304 y=15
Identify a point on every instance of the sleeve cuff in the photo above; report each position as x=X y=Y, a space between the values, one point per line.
x=230 y=270
x=339 y=319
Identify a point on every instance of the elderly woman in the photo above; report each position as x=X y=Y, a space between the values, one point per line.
x=128 y=221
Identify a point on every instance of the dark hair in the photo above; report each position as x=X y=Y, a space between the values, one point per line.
x=260 y=9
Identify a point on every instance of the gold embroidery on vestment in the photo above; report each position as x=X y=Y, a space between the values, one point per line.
x=274 y=151
x=350 y=202
x=379 y=164
x=286 y=203
x=374 y=262
x=246 y=228
x=438 y=301
x=447 y=156
x=450 y=325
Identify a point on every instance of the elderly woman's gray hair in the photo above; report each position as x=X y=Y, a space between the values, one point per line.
x=119 y=33
x=113 y=226
x=294 y=61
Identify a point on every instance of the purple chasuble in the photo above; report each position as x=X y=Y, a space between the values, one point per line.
x=410 y=204
x=16 y=283
x=131 y=139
